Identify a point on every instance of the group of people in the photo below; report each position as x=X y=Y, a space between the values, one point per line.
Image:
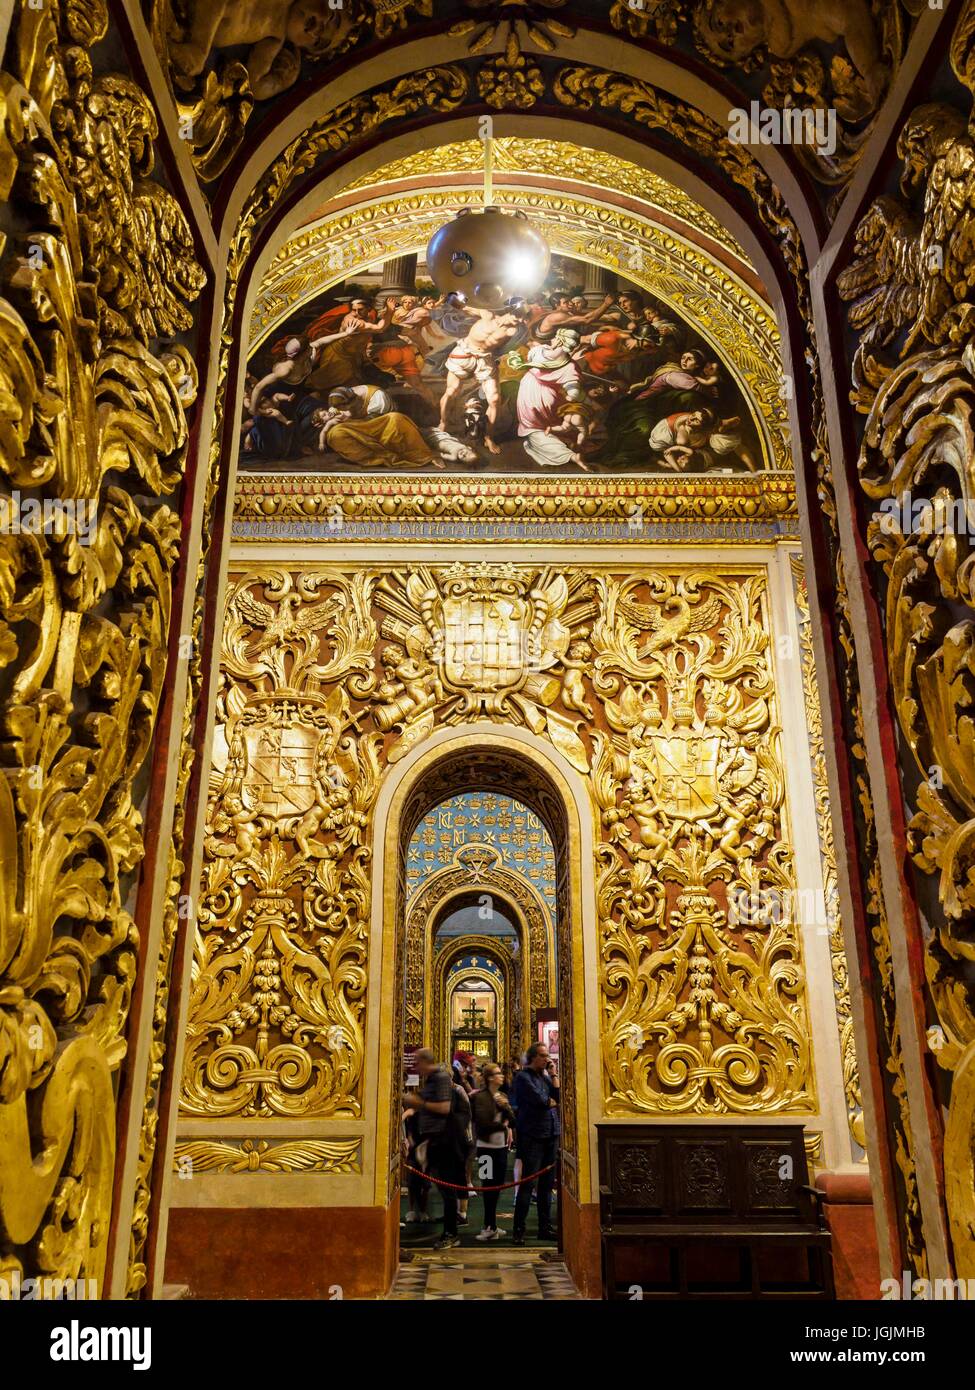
x=623 y=383
x=457 y=1131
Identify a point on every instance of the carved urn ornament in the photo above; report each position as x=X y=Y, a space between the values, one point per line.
x=489 y=258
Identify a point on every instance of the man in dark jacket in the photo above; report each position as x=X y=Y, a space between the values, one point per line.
x=535 y=1097
x=440 y=1128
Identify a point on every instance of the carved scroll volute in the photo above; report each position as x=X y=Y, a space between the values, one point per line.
x=102 y=268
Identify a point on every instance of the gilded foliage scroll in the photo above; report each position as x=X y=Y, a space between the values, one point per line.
x=657 y=687
x=99 y=268
x=911 y=286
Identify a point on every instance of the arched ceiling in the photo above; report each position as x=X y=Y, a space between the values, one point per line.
x=239 y=71
x=551 y=160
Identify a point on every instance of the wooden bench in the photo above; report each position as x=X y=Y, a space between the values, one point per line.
x=710 y=1211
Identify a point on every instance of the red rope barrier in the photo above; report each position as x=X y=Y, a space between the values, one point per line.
x=469 y=1187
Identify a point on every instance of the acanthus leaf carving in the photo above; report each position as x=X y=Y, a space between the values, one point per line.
x=100 y=266
x=912 y=290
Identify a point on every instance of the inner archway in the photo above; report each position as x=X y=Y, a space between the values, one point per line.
x=517 y=765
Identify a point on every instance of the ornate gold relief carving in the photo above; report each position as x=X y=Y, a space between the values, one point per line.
x=276 y=1012
x=474 y=640
x=812 y=1141
x=783 y=40
x=834 y=925
x=560 y=160
x=293 y=506
x=515 y=21
x=911 y=287
x=657 y=686
x=215 y=93
x=100 y=268
x=704 y=1006
x=259 y=1156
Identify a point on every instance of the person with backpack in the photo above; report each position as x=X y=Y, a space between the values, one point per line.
x=444 y=1148
x=492 y=1117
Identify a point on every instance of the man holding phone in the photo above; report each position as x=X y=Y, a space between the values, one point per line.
x=535 y=1098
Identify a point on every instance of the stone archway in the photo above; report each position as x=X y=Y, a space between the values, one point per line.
x=487 y=756
x=449 y=977
x=450 y=886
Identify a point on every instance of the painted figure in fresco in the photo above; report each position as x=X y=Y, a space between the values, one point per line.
x=277 y=31
x=604 y=353
x=375 y=438
x=399 y=358
x=474 y=359
x=551 y=413
x=624 y=311
x=691 y=374
x=305 y=361
x=554 y=385
x=662 y=329
x=564 y=314
x=676 y=438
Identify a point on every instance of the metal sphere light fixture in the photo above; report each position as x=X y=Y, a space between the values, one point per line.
x=490 y=258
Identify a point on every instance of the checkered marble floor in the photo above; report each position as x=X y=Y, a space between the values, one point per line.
x=458 y=1274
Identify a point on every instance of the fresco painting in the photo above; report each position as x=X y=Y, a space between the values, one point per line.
x=425 y=382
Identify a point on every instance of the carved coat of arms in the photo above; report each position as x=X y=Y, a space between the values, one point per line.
x=471 y=640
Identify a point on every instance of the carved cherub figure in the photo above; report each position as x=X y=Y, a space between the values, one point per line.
x=734 y=29
x=278 y=32
x=576 y=660
x=329 y=811
x=412 y=684
x=231 y=816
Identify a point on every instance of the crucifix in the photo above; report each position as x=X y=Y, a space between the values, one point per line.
x=472 y=1015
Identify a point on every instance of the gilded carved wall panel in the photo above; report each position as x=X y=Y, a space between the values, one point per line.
x=656 y=686
x=909 y=284
x=827 y=850
x=99 y=270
